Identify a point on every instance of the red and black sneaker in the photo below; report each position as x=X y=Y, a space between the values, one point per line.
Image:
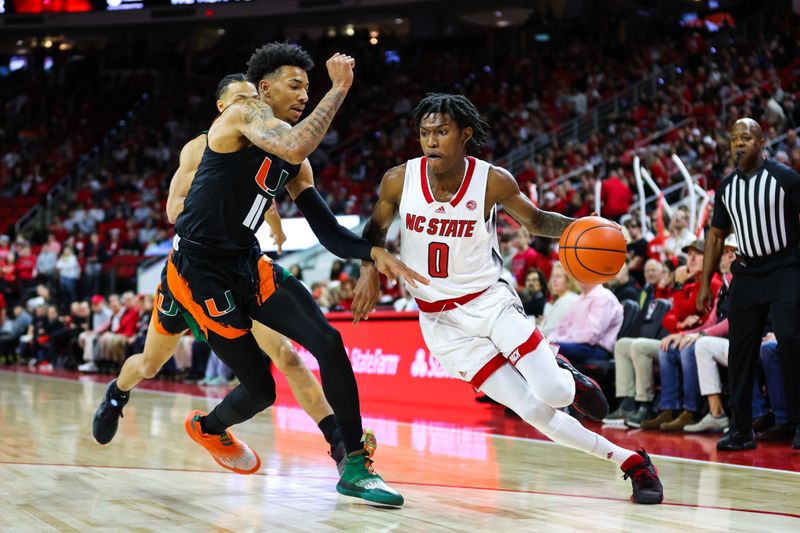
x=589 y=397
x=643 y=473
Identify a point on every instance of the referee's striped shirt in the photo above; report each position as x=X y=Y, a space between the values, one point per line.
x=763 y=208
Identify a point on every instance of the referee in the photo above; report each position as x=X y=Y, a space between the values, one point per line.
x=760 y=202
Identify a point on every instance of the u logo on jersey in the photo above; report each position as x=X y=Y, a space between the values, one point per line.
x=263 y=173
x=214 y=311
x=172 y=310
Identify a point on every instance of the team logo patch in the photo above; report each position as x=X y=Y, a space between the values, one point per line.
x=441 y=210
x=514 y=356
x=168 y=310
x=472 y=205
x=214 y=311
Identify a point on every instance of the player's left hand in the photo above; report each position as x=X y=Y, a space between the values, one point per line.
x=391 y=267
x=279 y=237
x=366 y=293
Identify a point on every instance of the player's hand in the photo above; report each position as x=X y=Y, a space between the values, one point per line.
x=278 y=237
x=391 y=267
x=366 y=293
x=340 y=70
x=705 y=301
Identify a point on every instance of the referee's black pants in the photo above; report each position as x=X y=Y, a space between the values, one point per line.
x=753 y=297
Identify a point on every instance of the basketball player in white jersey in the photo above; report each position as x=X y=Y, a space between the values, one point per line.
x=472 y=322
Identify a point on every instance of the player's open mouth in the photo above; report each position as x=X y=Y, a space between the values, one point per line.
x=434 y=156
x=299 y=109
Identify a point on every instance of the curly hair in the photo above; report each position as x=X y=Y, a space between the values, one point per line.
x=272 y=56
x=460 y=109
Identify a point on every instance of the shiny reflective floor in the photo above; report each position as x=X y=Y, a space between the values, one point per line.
x=455 y=477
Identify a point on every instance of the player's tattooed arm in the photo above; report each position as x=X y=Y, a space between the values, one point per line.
x=504 y=189
x=292 y=144
x=261 y=127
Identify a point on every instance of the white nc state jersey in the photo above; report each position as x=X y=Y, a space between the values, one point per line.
x=448 y=242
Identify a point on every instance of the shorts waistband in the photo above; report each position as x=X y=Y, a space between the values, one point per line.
x=447 y=305
x=184 y=245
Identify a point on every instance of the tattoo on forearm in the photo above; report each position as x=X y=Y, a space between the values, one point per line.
x=549 y=224
x=307 y=134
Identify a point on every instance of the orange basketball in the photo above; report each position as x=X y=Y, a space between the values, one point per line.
x=592 y=250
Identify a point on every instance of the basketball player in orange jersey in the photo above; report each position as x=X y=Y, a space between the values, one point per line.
x=472 y=321
x=167 y=325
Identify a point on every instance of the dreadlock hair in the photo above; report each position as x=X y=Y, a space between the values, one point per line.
x=460 y=109
x=227 y=80
x=272 y=56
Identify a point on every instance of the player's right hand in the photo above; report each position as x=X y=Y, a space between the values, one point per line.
x=366 y=293
x=391 y=267
x=340 y=70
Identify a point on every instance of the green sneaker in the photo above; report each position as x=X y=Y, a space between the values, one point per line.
x=360 y=481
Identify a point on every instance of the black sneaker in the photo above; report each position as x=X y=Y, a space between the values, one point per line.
x=589 y=397
x=644 y=412
x=338 y=452
x=777 y=432
x=617 y=417
x=735 y=440
x=796 y=439
x=647 y=488
x=760 y=423
x=106 y=418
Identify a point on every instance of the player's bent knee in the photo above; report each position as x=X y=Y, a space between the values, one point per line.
x=263 y=399
x=557 y=395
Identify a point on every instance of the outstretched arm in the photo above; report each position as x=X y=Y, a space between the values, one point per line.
x=504 y=189
x=368 y=287
x=191 y=154
x=256 y=121
x=338 y=239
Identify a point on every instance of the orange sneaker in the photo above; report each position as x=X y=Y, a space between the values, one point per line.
x=228 y=451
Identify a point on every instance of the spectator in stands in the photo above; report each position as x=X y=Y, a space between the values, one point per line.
x=534 y=294
x=654 y=274
x=615 y=195
x=12 y=331
x=69 y=272
x=637 y=250
x=589 y=330
x=100 y=323
x=8 y=276
x=624 y=287
x=678 y=363
x=525 y=258
x=680 y=234
x=94 y=255
x=41 y=297
x=712 y=352
x=113 y=345
x=564 y=291
x=25 y=266
x=46 y=264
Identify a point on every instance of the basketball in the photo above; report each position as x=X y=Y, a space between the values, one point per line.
x=592 y=250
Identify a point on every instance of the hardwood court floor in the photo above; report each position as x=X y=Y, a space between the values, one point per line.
x=54 y=477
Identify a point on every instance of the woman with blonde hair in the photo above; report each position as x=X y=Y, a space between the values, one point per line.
x=565 y=291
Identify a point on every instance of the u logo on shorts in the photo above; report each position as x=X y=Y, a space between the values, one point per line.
x=213 y=310
x=173 y=307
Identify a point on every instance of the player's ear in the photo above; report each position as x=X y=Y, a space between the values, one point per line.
x=466 y=135
x=220 y=106
x=263 y=87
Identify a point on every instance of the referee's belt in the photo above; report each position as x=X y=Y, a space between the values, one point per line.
x=775 y=259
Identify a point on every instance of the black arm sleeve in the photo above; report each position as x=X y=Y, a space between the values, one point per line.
x=336 y=238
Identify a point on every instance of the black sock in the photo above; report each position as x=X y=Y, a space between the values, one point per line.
x=351 y=431
x=117 y=394
x=210 y=425
x=328 y=427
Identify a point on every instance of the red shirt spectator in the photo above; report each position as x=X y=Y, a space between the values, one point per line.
x=683 y=305
x=616 y=197
x=26 y=263
x=525 y=258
